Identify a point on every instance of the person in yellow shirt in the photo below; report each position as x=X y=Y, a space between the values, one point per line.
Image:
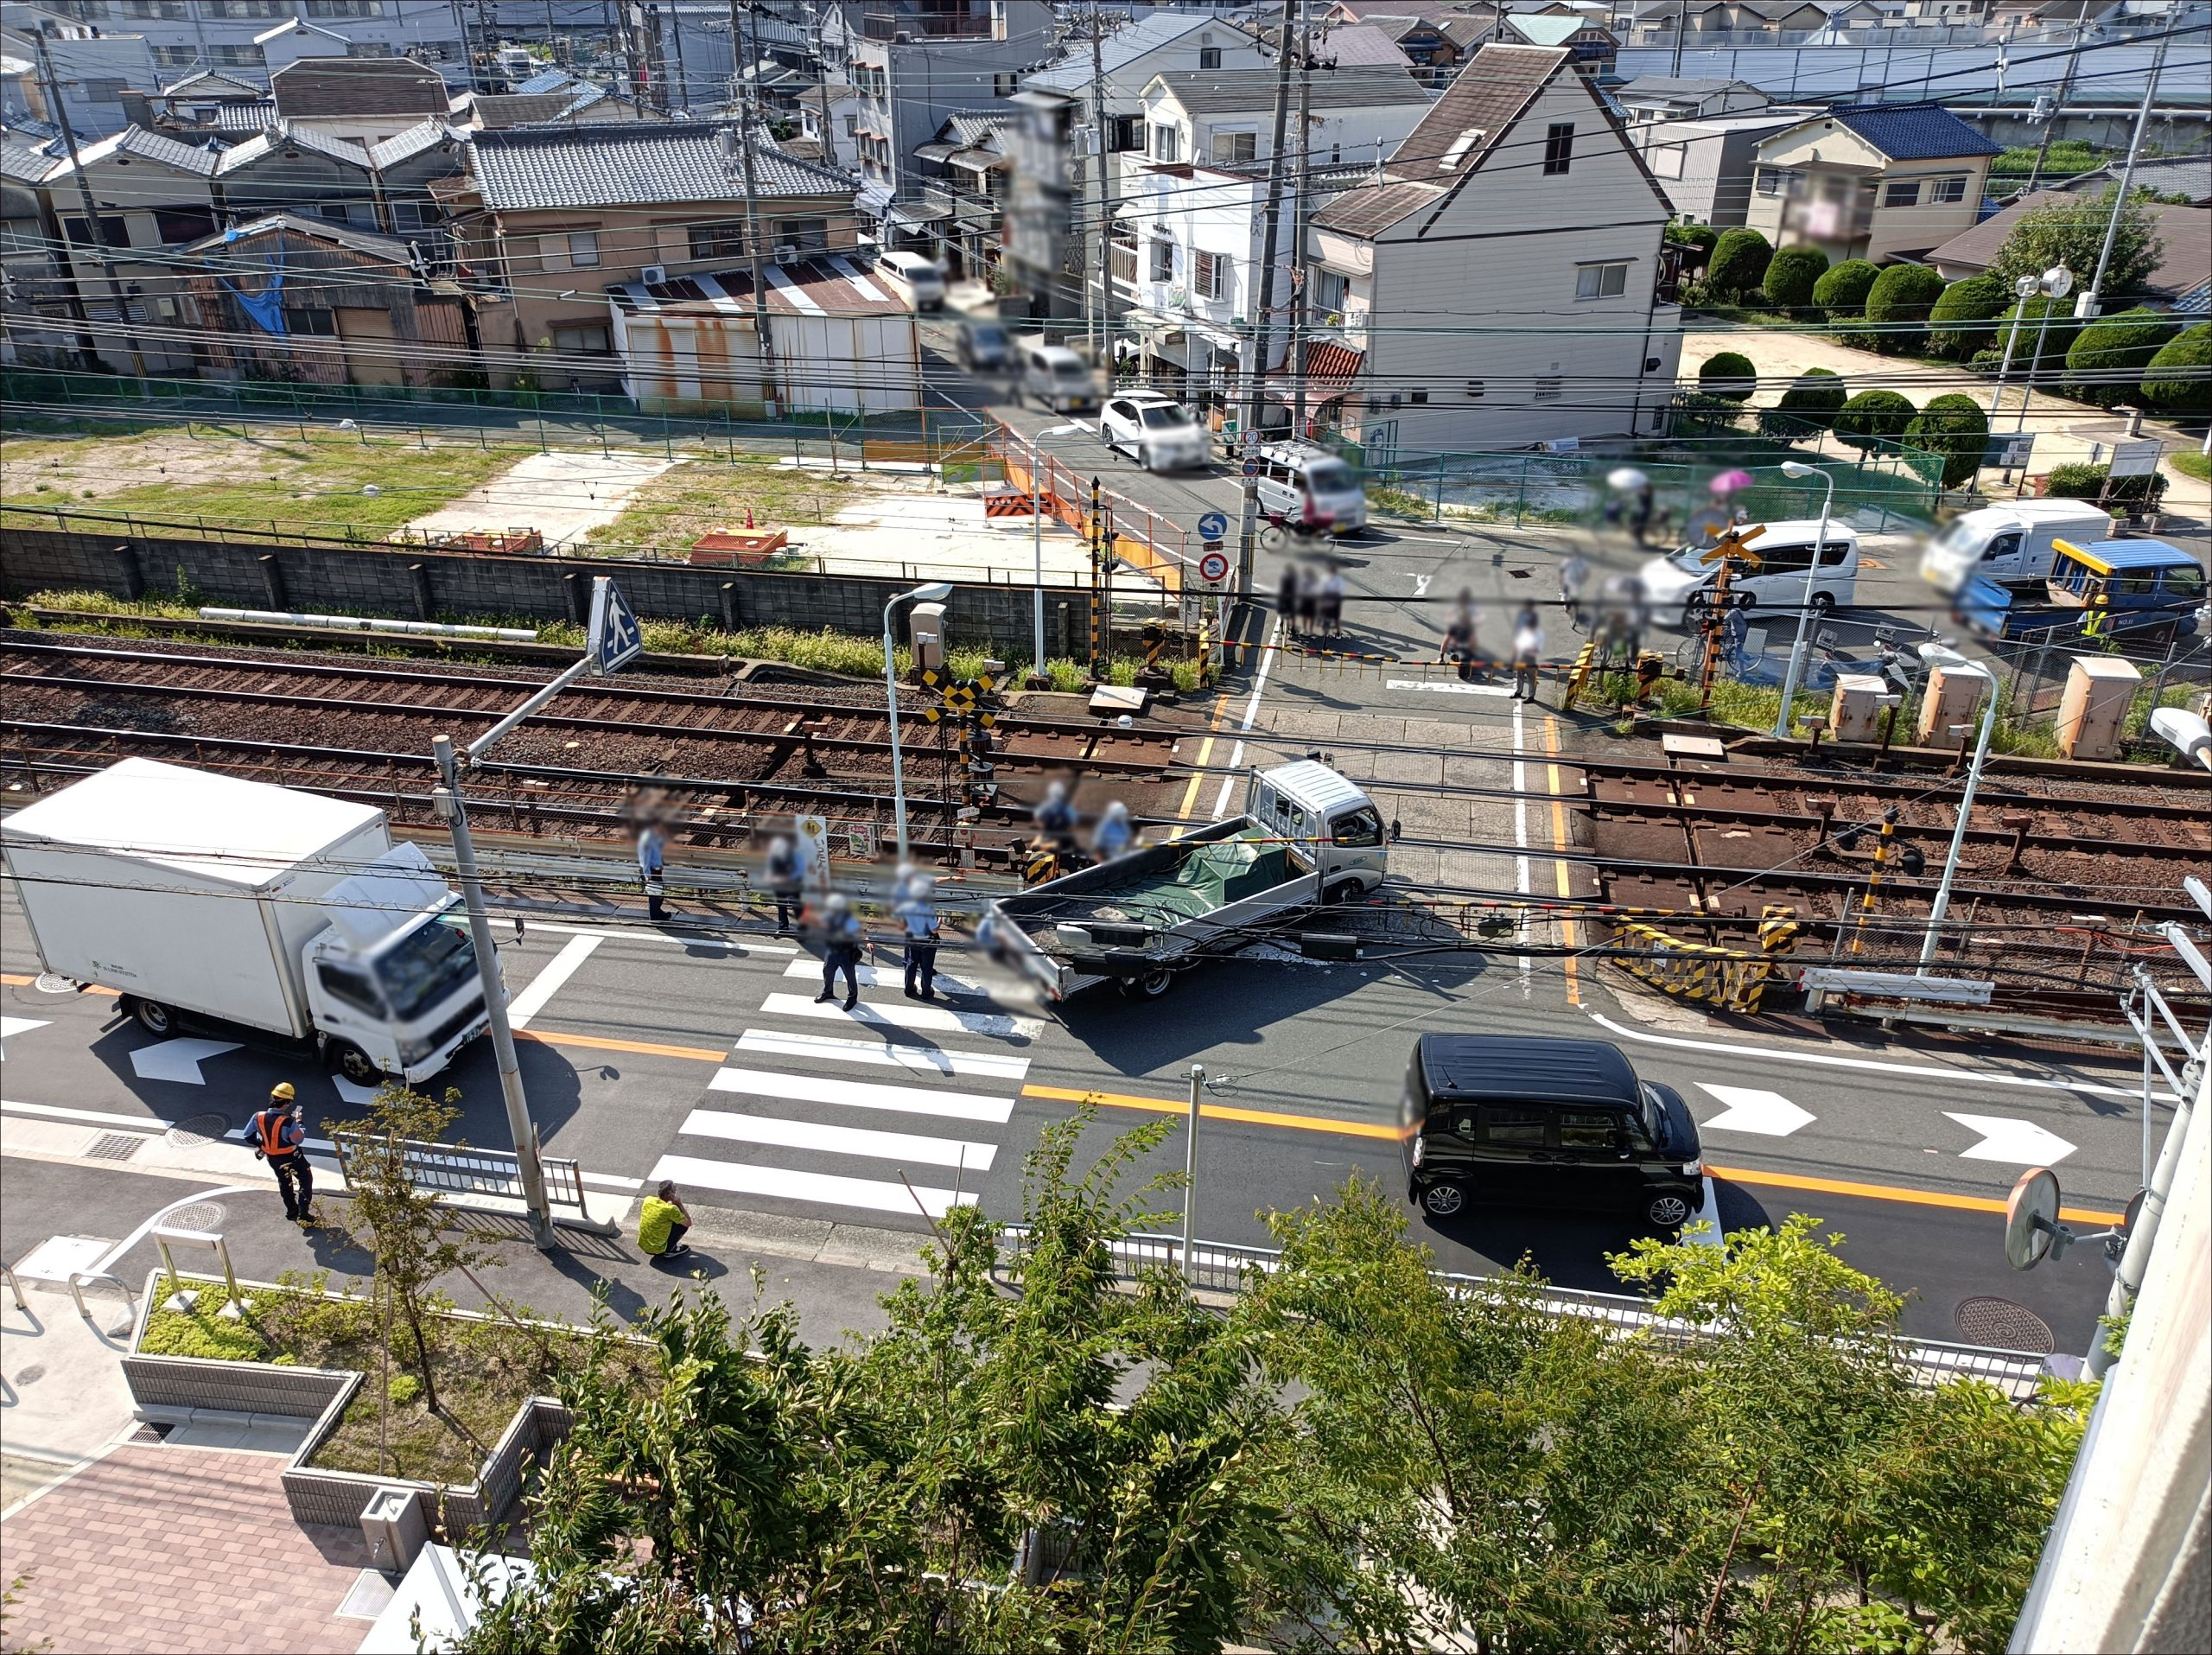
x=662 y=1221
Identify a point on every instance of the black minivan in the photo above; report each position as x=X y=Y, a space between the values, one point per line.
x=1523 y=1121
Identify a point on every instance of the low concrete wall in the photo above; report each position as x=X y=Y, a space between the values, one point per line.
x=409 y=582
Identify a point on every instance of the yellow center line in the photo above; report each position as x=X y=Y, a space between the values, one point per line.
x=1206 y=756
x=1891 y=1193
x=1568 y=931
x=1217 y=1113
x=597 y=1043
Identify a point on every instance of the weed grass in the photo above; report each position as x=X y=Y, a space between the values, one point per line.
x=677 y=507
x=2192 y=463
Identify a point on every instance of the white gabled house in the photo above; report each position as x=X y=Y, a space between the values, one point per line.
x=1497 y=284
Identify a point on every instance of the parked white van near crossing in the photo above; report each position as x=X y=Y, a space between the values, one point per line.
x=1677 y=585
x=1303 y=482
x=919 y=281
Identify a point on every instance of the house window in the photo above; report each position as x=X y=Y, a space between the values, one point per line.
x=1607 y=281
x=1236 y=148
x=1004 y=82
x=1328 y=290
x=314 y=320
x=1163 y=261
x=1417 y=396
x=1121 y=259
x=1902 y=192
x=103 y=92
x=1124 y=133
x=1166 y=143
x=1666 y=159
x=1558 y=146
x=1549 y=387
x=718 y=241
x=368 y=48
x=584 y=339
x=1208 y=57
x=1947 y=189
x=1209 y=275
x=583 y=249
x=1780 y=181
x=808 y=235
x=114 y=230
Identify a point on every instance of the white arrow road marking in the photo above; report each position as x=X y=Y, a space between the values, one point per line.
x=547 y=983
x=1768 y=1114
x=1420 y=585
x=358 y=1095
x=2021 y=1144
x=11 y=1027
x=178 y=1060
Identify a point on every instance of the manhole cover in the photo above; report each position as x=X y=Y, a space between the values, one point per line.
x=200 y=1129
x=200 y=1215
x=115 y=1146
x=55 y=982
x=2007 y=1325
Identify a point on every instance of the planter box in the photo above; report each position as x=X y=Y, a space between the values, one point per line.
x=314 y=1494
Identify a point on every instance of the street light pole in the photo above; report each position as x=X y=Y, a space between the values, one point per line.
x=1799 y=468
x=2055 y=284
x=933 y=592
x=1936 y=655
x=2023 y=290
x=1191 y=1165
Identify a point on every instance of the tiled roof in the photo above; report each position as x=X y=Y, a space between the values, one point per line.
x=1497 y=83
x=1229 y=92
x=405 y=146
x=2190 y=175
x=1362 y=46
x=1120 y=49
x=623 y=164
x=1373 y=208
x=23 y=160
x=1912 y=131
x=139 y=143
x=545 y=80
x=207 y=83
x=389 y=249
x=358 y=87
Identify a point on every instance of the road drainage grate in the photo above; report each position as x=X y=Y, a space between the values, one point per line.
x=115 y=1146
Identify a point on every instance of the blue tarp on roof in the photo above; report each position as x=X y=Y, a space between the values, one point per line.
x=1913 y=132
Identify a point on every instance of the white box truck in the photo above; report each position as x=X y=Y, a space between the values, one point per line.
x=2011 y=544
x=205 y=899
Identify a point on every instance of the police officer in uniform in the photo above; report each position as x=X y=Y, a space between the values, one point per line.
x=279 y=1137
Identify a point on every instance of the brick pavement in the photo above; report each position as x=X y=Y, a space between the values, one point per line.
x=179 y=1549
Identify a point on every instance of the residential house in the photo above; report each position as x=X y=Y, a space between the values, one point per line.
x=292 y=298
x=2183 y=175
x=913 y=62
x=1871 y=180
x=1706 y=167
x=386 y=188
x=1226 y=116
x=93 y=67
x=1497 y=285
x=970 y=160
x=1670 y=97
x=836 y=138
x=1359 y=45
x=1593 y=45
x=1433 y=45
x=551 y=218
x=367 y=100
x=580 y=105
x=248 y=38
x=2182 y=282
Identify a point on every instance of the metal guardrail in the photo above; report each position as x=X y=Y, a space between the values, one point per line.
x=452 y=1169
x=1222 y=1268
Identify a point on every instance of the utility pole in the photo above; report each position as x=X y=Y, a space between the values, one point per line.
x=1681 y=21
x=1262 y=320
x=91 y=212
x=1300 y=286
x=2058 y=107
x=741 y=61
x=2091 y=303
x=1104 y=309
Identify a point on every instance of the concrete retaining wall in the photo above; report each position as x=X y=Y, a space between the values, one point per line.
x=409 y=582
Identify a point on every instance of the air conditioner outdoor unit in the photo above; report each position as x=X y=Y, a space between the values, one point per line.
x=787 y=252
x=653 y=275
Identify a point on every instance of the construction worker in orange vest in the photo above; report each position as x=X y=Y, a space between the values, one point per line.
x=279 y=1138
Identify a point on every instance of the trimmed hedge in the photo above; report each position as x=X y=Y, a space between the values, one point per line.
x=2105 y=363
x=1961 y=323
x=1842 y=290
x=1792 y=275
x=1739 y=264
x=1955 y=427
x=1870 y=416
x=1900 y=299
x=1728 y=374
x=1808 y=407
x=2166 y=389
x=2088 y=482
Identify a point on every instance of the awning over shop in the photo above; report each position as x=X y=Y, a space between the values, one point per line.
x=1330 y=370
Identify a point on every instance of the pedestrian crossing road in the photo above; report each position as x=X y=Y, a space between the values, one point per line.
x=900 y=1110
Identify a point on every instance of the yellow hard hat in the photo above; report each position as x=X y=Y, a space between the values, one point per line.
x=281 y=1090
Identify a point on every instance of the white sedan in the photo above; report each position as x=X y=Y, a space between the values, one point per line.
x=1158 y=432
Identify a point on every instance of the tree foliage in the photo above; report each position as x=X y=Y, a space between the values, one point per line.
x=2105 y=361
x=1871 y=417
x=1728 y=374
x=1898 y=304
x=1841 y=290
x=2071 y=231
x=1960 y=323
x=1703 y=237
x=1739 y=264
x=1791 y=275
x=1808 y=407
x=2179 y=379
x=1955 y=427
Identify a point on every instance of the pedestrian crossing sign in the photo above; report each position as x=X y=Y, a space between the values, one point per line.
x=614 y=638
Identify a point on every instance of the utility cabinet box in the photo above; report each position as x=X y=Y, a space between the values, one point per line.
x=1953 y=698
x=393 y=1524
x=2094 y=711
x=926 y=636
x=1855 y=710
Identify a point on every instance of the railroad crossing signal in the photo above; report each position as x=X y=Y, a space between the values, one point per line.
x=1736 y=544
x=960 y=698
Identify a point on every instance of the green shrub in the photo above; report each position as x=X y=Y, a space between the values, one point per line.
x=1955 y=426
x=1791 y=277
x=2105 y=363
x=1841 y=291
x=1959 y=323
x=1899 y=303
x=1872 y=416
x=1701 y=236
x=2166 y=388
x=1739 y=264
x=1728 y=374
x=2088 y=482
x=1808 y=407
x=403 y=1389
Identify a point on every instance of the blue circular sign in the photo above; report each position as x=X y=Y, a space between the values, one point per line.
x=1212 y=526
x=1251 y=467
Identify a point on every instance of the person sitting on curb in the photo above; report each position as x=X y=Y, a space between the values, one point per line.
x=662 y=1221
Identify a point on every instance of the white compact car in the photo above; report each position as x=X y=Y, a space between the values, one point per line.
x=1680 y=584
x=1156 y=431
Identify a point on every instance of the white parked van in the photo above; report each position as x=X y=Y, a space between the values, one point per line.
x=1302 y=482
x=1677 y=584
x=1056 y=377
x=2010 y=545
x=918 y=280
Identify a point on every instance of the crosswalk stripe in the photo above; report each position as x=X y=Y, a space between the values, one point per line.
x=857 y=1094
x=548 y=981
x=905 y=1148
x=909 y=1016
x=872 y=1194
x=930 y=1059
x=891 y=977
